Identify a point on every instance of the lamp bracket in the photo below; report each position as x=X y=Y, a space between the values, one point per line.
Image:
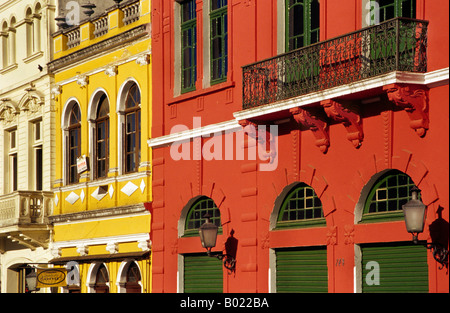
x=229 y=262
x=440 y=254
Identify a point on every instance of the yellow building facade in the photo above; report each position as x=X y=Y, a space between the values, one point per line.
x=102 y=93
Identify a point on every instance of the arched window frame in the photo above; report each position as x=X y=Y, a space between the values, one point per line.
x=67 y=127
x=95 y=270
x=37 y=17
x=98 y=99
x=74 y=129
x=285 y=214
x=123 y=275
x=124 y=113
x=29 y=31
x=4 y=35
x=12 y=41
x=382 y=194
x=194 y=216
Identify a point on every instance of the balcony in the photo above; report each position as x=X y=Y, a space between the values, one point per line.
x=24 y=208
x=396 y=45
x=24 y=219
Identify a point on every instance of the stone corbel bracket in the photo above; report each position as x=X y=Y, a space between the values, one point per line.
x=348 y=115
x=264 y=136
x=82 y=80
x=316 y=124
x=111 y=70
x=414 y=100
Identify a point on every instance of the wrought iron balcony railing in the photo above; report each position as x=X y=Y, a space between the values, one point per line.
x=396 y=45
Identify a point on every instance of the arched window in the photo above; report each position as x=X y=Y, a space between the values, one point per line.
x=387 y=196
x=194 y=218
x=12 y=41
x=102 y=280
x=29 y=31
x=5 y=45
x=74 y=143
x=132 y=129
x=37 y=28
x=102 y=138
x=300 y=207
x=133 y=278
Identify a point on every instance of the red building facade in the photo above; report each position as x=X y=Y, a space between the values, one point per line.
x=302 y=127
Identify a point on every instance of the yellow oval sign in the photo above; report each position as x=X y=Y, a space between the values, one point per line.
x=53 y=277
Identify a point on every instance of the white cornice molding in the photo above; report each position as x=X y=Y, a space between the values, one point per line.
x=101 y=241
x=231 y=126
x=102 y=68
x=430 y=79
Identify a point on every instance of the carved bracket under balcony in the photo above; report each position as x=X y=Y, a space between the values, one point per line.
x=31 y=240
x=316 y=124
x=348 y=115
x=264 y=135
x=414 y=100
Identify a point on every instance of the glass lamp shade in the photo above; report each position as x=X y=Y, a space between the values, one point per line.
x=208 y=234
x=414 y=212
x=31 y=281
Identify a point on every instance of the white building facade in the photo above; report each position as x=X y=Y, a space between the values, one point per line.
x=26 y=138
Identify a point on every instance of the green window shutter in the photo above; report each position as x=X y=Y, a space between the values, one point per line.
x=402 y=268
x=301 y=270
x=202 y=274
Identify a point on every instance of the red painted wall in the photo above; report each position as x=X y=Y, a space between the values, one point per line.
x=246 y=196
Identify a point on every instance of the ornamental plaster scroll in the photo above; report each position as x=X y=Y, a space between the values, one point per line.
x=144 y=245
x=348 y=115
x=143 y=59
x=111 y=70
x=316 y=123
x=8 y=110
x=82 y=80
x=55 y=90
x=414 y=100
x=112 y=247
x=82 y=250
x=32 y=101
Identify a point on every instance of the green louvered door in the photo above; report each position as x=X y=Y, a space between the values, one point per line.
x=402 y=268
x=302 y=270
x=202 y=274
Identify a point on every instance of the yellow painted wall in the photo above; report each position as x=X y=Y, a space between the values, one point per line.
x=102 y=228
x=111 y=85
x=93 y=66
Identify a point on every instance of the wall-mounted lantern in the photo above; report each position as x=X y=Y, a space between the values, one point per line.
x=414 y=212
x=208 y=236
x=31 y=280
